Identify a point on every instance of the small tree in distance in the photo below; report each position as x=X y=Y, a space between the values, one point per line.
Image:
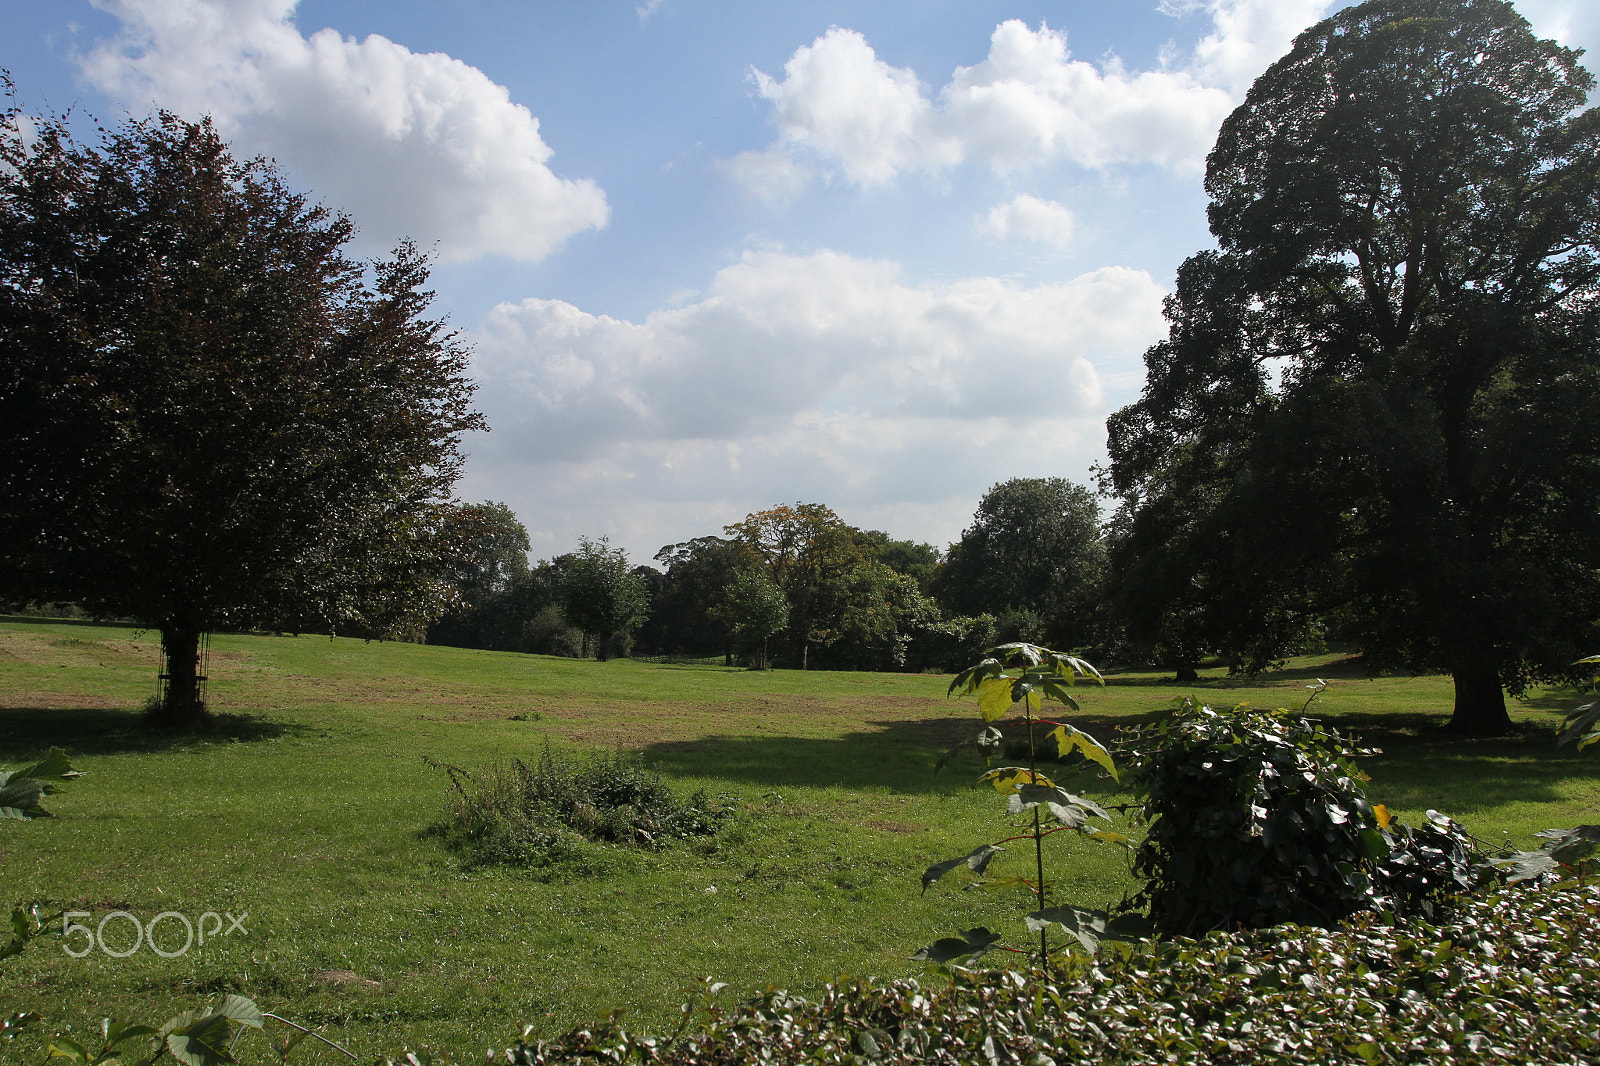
x=602 y=594
x=757 y=609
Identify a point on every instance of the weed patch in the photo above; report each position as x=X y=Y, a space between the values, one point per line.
x=541 y=814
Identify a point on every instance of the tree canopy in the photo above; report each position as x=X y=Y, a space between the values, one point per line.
x=209 y=415
x=1378 y=398
x=602 y=594
x=1034 y=546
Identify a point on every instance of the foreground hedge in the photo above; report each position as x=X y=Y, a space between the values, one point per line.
x=1511 y=977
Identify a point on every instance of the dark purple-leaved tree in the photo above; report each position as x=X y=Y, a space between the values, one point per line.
x=210 y=416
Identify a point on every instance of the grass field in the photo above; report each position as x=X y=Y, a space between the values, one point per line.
x=306 y=808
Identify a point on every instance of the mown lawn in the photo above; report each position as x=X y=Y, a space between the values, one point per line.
x=307 y=809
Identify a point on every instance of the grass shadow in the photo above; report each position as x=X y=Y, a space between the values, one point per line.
x=29 y=732
x=1420 y=764
x=897 y=756
x=1349 y=667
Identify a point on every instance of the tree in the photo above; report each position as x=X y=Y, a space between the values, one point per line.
x=602 y=594
x=914 y=559
x=684 y=618
x=812 y=555
x=1033 y=546
x=208 y=417
x=1384 y=387
x=490 y=559
x=757 y=610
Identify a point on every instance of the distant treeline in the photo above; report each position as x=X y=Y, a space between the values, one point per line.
x=796 y=587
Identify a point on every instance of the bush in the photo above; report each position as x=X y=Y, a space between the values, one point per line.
x=1506 y=981
x=548 y=633
x=540 y=814
x=1255 y=818
x=1259 y=817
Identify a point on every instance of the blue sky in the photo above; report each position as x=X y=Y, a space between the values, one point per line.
x=717 y=256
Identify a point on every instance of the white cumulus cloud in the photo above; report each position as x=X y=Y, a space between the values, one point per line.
x=1027 y=104
x=1028 y=218
x=839 y=100
x=418 y=145
x=1249 y=36
x=823 y=376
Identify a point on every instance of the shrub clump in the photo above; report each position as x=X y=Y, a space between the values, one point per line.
x=1259 y=817
x=537 y=814
x=1509 y=978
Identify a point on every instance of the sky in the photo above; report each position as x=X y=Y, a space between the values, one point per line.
x=716 y=256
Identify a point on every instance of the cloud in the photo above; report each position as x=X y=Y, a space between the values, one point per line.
x=822 y=377
x=773 y=175
x=839 y=100
x=1032 y=219
x=1574 y=23
x=1250 y=36
x=413 y=145
x=1027 y=104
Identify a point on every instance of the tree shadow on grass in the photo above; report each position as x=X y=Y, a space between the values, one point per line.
x=1351 y=666
x=1419 y=767
x=1422 y=766
x=27 y=733
x=898 y=756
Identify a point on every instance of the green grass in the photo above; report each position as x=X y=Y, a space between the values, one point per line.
x=307 y=806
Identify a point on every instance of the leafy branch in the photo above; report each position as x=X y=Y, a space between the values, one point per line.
x=1017 y=679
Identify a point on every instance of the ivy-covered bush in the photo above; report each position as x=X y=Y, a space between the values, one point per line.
x=1429 y=866
x=1255 y=818
x=1510 y=978
x=1260 y=817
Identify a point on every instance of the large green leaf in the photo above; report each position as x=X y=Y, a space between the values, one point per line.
x=995 y=696
x=968 y=680
x=199 y=1038
x=977 y=860
x=1007 y=779
x=1087 y=927
x=1068 y=739
x=1582 y=725
x=62 y=1047
x=1028 y=653
x=971 y=945
x=1072 y=811
x=22 y=794
x=54 y=765
x=241 y=1010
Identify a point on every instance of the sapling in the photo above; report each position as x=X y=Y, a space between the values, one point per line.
x=1012 y=683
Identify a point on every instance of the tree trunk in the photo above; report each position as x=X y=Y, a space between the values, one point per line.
x=1187 y=674
x=602 y=650
x=1480 y=702
x=181 y=706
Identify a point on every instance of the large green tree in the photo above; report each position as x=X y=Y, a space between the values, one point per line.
x=1381 y=394
x=602 y=594
x=684 y=616
x=839 y=594
x=1034 y=546
x=209 y=415
x=487 y=567
x=756 y=609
